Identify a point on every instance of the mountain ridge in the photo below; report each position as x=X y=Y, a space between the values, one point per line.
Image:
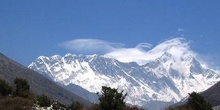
x=9 y=70
x=167 y=78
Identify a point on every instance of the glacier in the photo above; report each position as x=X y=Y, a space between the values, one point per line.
x=155 y=79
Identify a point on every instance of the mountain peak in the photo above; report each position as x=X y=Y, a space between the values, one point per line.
x=165 y=79
x=177 y=47
x=175 y=41
x=167 y=73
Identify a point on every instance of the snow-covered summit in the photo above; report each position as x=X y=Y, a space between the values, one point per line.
x=177 y=47
x=170 y=71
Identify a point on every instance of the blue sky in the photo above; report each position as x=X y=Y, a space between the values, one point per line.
x=30 y=28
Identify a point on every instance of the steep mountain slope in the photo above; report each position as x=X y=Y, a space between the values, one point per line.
x=10 y=69
x=170 y=71
x=212 y=95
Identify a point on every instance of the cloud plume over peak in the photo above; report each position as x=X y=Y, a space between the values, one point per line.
x=141 y=53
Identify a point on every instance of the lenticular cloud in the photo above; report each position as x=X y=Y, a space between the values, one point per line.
x=91 y=45
x=141 y=53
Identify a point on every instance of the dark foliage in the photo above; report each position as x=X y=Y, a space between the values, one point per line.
x=13 y=102
x=22 y=87
x=43 y=101
x=111 y=99
x=5 y=89
x=95 y=107
x=197 y=102
x=23 y=99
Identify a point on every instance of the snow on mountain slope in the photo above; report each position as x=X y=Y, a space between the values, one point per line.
x=170 y=71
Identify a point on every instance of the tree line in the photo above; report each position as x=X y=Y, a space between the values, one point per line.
x=19 y=97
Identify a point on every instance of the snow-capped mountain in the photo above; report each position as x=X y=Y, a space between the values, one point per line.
x=165 y=75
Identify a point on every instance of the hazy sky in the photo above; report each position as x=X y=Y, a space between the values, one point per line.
x=30 y=28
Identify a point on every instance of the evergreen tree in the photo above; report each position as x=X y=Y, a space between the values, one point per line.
x=43 y=101
x=22 y=87
x=197 y=102
x=5 y=89
x=111 y=99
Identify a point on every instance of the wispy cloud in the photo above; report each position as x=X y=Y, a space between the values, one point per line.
x=143 y=46
x=177 y=47
x=141 y=53
x=129 y=55
x=91 y=45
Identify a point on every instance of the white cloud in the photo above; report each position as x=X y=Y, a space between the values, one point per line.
x=91 y=45
x=128 y=55
x=140 y=53
x=177 y=47
x=143 y=46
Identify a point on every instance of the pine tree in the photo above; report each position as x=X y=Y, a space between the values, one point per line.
x=22 y=87
x=111 y=99
x=197 y=102
x=5 y=89
x=43 y=101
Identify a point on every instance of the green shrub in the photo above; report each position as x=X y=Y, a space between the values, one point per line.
x=43 y=101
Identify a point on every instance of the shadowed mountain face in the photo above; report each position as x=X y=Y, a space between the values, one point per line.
x=10 y=69
x=212 y=95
